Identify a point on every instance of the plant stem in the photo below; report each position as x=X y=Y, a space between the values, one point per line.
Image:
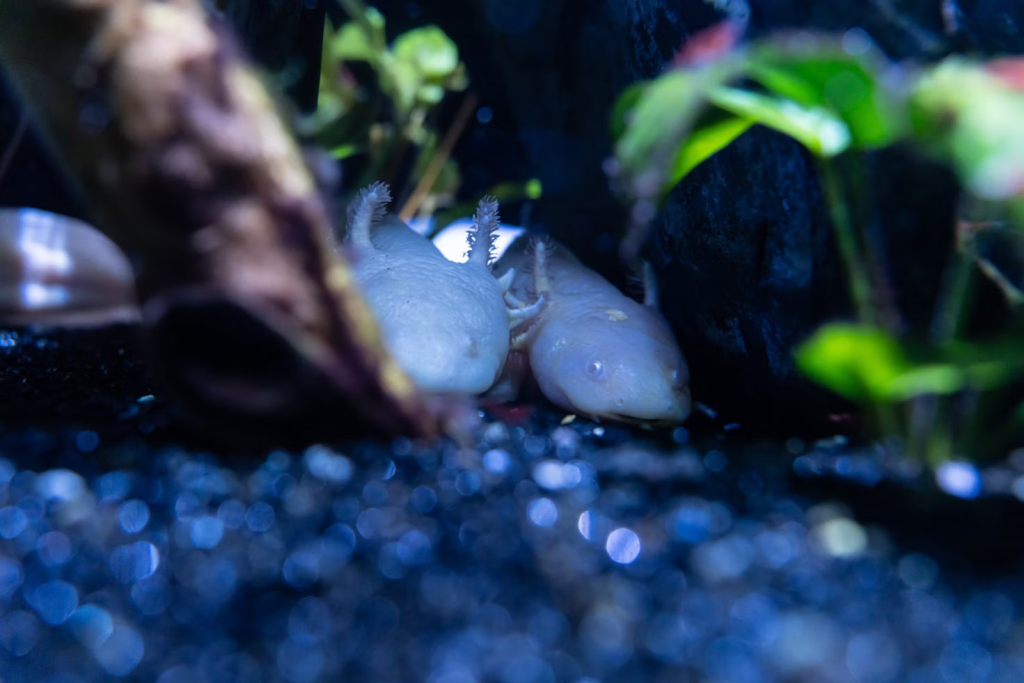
x=875 y=260
x=430 y=175
x=888 y=419
x=946 y=326
x=952 y=304
x=846 y=240
x=922 y=412
x=940 y=443
x=857 y=274
x=356 y=11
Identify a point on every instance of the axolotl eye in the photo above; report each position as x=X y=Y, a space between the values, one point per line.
x=678 y=380
x=595 y=369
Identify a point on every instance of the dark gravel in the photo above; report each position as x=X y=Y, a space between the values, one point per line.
x=546 y=552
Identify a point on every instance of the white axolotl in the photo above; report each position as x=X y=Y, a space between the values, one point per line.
x=446 y=323
x=593 y=350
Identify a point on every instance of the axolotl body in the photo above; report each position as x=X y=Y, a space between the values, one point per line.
x=592 y=349
x=446 y=323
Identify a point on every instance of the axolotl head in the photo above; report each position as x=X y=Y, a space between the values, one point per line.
x=616 y=365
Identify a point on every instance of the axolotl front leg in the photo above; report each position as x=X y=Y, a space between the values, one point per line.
x=519 y=312
x=517 y=366
x=541 y=288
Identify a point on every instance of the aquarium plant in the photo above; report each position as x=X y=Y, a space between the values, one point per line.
x=841 y=98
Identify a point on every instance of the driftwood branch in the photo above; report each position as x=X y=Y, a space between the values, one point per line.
x=180 y=149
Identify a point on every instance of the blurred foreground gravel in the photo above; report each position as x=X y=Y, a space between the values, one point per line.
x=546 y=552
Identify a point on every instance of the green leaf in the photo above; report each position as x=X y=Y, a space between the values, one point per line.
x=827 y=94
x=430 y=93
x=457 y=80
x=713 y=132
x=430 y=49
x=660 y=119
x=351 y=44
x=987 y=365
x=854 y=361
x=375 y=20
x=623 y=108
x=951 y=377
x=345 y=151
x=817 y=72
x=662 y=116
x=816 y=128
x=974 y=120
x=868 y=365
x=925 y=380
x=403 y=83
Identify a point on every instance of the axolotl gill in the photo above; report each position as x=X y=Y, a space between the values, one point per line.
x=593 y=350
x=446 y=323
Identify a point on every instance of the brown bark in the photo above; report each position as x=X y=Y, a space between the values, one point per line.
x=184 y=156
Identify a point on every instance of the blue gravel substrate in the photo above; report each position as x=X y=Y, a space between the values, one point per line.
x=544 y=552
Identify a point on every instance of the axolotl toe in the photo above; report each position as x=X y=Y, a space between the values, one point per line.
x=446 y=323
x=592 y=349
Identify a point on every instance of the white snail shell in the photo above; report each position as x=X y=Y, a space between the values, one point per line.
x=59 y=271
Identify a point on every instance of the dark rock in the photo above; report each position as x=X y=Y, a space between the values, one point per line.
x=746 y=275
